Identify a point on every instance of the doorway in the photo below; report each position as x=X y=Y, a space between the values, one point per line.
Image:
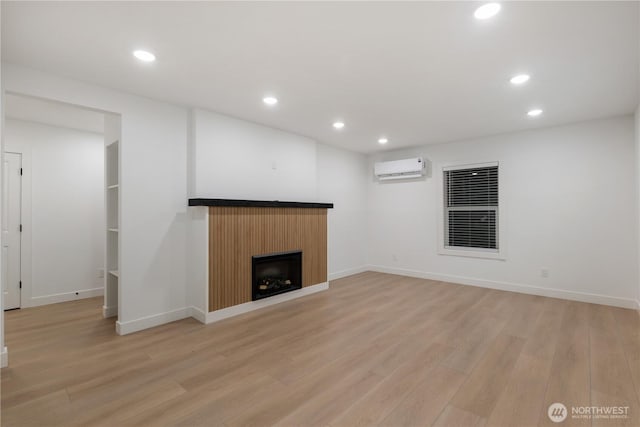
x=12 y=230
x=60 y=254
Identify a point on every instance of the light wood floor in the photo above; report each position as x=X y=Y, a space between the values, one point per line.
x=374 y=349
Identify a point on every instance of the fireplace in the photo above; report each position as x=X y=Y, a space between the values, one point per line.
x=276 y=273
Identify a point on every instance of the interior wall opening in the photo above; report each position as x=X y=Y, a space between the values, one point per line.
x=55 y=197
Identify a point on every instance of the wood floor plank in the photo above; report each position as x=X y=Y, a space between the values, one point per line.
x=610 y=373
x=521 y=401
x=570 y=378
x=49 y=409
x=628 y=327
x=210 y=406
x=471 y=338
x=326 y=406
x=456 y=417
x=611 y=380
x=485 y=383
x=272 y=409
x=427 y=399
x=107 y=411
x=545 y=333
x=375 y=405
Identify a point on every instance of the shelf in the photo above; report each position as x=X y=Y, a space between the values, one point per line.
x=112 y=212
x=258 y=203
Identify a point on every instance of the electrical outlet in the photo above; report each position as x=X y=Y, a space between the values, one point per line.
x=100 y=273
x=544 y=272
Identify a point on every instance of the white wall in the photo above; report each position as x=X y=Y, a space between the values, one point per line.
x=570 y=207
x=342 y=180
x=637 y=159
x=4 y=356
x=237 y=159
x=198 y=261
x=64 y=234
x=153 y=192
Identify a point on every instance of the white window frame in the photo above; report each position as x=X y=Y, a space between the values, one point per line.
x=501 y=252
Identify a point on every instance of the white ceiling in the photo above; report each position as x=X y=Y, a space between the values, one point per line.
x=53 y=113
x=417 y=72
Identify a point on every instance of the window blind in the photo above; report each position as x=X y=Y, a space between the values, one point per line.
x=471 y=207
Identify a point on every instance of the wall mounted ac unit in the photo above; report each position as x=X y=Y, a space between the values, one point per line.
x=400 y=169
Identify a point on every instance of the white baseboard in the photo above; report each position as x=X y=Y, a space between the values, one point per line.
x=215 y=316
x=64 y=297
x=4 y=358
x=124 y=328
x=347 y=272
x=513 y=287
x=198 y=314
x=109 y=311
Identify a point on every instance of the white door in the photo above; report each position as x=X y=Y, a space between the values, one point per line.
x=11 y=229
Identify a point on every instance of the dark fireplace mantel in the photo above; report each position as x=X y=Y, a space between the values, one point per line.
x=258 y=203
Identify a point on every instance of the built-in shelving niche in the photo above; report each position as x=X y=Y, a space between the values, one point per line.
x=112 y=207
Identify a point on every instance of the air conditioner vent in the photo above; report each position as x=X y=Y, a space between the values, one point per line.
x=400 y=169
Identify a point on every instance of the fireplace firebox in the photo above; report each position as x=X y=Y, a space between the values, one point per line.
x=276 y=273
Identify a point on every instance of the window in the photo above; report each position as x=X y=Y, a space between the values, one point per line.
x=471 y=208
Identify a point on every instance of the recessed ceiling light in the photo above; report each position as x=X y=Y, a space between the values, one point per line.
x=520 y=79
x=486 y=11
x=144 y=56
x=270 y=100
x=383 y=140
x=534 y=113
x=338 y=125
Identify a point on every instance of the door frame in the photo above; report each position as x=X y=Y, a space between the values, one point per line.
x=17 y=229
x=25 y=212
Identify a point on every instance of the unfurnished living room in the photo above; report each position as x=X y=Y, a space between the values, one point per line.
x=326 y=213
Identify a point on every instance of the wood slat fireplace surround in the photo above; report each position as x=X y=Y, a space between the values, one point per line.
x=242 y=230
